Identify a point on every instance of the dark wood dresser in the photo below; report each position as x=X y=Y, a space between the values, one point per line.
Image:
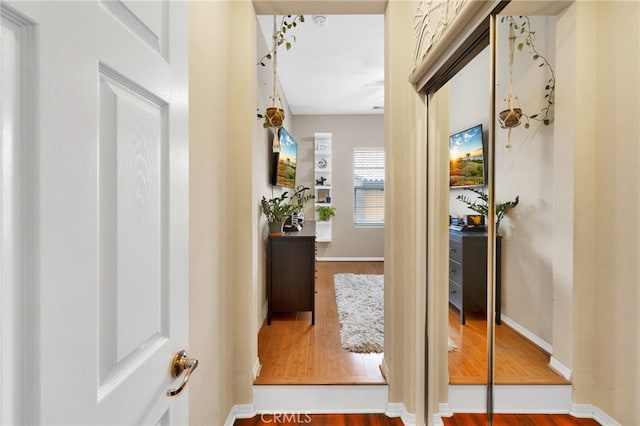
x=291 y=272
x=468 y=272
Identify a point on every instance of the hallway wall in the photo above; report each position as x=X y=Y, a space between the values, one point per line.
x=223 y=215
x=348 y=131
x=598 y=115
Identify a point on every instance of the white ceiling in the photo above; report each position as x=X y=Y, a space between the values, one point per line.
x=333 y=69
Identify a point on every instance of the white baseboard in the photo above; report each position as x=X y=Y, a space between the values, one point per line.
x=588 y=411
x=538 y=341
x=350 y=259
x=560 y=368
x=256 y=368
x=384 y=369
x=319 y=399
x=444 y=410
x=542 y=399
x=242 y=411
x=397 y=409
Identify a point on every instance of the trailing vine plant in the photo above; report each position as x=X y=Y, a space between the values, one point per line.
x=274 y=115
x=523 y=37
x=282 y=35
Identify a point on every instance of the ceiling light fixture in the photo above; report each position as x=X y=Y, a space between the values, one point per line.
x=319 y=20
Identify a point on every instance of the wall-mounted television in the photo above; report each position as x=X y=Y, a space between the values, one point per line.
x=466 y=158
x=284 y=163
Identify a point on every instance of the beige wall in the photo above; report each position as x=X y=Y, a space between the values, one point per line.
x=223 y=261
x=348 y=131
x=210 y=267
x=600 y=118
x=602 y=112
x=405 y=217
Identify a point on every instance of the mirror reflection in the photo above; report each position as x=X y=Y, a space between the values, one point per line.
x=524 y=207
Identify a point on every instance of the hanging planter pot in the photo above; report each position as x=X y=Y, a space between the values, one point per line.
x=510 y=118
x=274 y=117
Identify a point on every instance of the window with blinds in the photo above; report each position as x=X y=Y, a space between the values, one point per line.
x=368 y=186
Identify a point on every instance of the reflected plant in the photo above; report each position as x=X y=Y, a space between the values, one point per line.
x=481 y=205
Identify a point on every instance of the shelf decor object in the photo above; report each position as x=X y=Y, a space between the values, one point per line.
x=323 y=189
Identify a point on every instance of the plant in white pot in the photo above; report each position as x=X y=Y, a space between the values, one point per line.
x=278 y=209
x=325 y=213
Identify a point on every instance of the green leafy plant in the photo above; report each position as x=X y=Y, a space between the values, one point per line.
x=481 y=205
x=524 y=38
x=277 y=209
x=325 y=212
x=282 y=35
x=274 y=115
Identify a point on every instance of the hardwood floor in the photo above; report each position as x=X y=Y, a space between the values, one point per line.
x=518 y=361
x=321 y=420
x=292 y=351
x=382 y=420
x=518 y=420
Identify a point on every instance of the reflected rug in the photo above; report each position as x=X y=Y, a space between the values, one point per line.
x=360 y=300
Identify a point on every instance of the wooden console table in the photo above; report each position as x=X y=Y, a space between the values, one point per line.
x=468 y=272
x=291 y=272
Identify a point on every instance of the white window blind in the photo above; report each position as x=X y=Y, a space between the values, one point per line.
x=368 y=186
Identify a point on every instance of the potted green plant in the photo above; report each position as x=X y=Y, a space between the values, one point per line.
x=277 y=209
x=274 y=115
x=520 y=36
x=481 y=205
x=325 y=213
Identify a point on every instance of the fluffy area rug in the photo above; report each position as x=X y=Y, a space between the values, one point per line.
x=452 y=345
x=360 y=299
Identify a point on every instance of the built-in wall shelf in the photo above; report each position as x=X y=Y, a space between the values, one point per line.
x=323 y=183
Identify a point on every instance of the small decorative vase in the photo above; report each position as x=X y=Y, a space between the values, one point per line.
x=274 y=117
x=275 y=228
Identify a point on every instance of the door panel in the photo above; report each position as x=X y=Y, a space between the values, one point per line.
x=112 y=263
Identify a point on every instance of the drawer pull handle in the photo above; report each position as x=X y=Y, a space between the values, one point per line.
x=453 y=291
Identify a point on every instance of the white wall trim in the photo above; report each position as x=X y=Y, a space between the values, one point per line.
x=539 y=399
x=538 y=341
x=384 y=369
x=588 y=411
x=256 y=368
x=444 y=410
x=320 y=399
x=350 y=259
x=561 y=368
x=397 y=409
x=241 y=411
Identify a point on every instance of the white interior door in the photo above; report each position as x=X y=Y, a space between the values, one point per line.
x=105 y=275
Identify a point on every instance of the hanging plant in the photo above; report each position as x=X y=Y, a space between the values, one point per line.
x=522 y=37
x=282 y=35
x=274 y=115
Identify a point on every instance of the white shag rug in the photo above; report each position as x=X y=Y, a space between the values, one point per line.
x=360 y=299
x=452 y=345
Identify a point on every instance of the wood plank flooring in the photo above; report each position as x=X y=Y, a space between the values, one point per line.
x=292 y=351
x=382 y=420
x=518 y=420
x=518 y=360
x=321 y=420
